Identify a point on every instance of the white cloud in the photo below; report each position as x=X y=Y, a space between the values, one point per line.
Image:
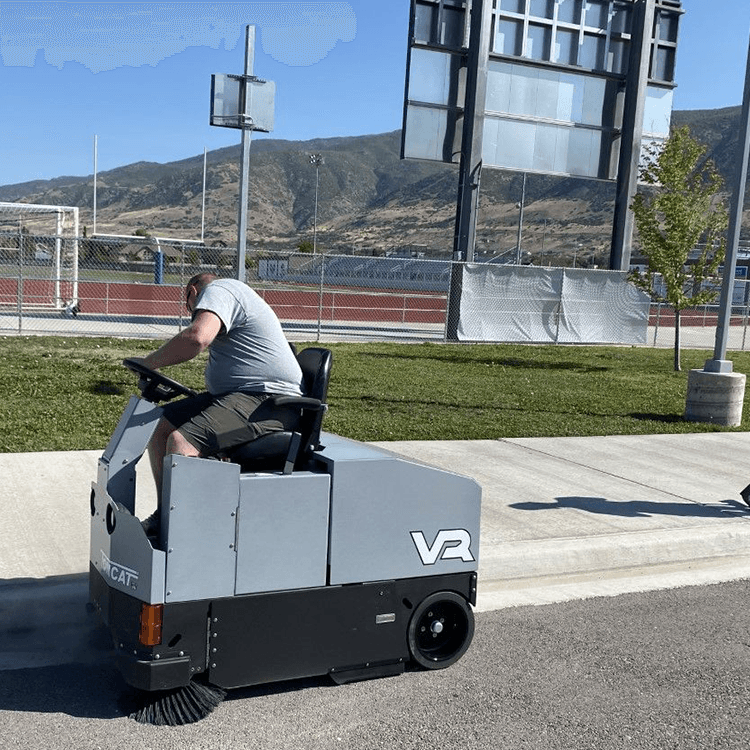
x=106 y=36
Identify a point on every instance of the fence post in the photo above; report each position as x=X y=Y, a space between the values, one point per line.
x=559 y=307
x=19 y=286
x=320 y=294
x=19 y=300
x=158 y=267
x=453 y=303
x=183 y=283
x=57 y=262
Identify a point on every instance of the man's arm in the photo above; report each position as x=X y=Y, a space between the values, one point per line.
x=188 y=343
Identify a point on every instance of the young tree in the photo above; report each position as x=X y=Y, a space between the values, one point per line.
x=680 y=222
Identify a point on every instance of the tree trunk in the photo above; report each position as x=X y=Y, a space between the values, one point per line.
x=677 y=364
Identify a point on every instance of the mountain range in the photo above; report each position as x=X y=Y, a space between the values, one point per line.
x=368 y=200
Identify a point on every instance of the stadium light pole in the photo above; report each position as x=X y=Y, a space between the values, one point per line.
x=96 y=167
x=316 y=160
x=203 y=195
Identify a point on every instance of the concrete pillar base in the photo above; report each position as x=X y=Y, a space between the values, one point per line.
x=715 y=397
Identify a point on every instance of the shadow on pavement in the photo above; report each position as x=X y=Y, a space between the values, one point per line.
x=639 y=508
x=93 y=692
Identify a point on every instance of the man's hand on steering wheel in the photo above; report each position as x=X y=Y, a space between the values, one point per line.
x=153 y=385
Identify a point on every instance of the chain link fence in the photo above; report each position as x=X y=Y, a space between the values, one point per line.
x=698 y=326
x=134 y=287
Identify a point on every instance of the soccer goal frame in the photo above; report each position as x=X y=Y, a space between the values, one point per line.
x=22 y=221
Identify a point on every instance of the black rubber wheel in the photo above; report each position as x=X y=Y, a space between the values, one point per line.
x=440 y=630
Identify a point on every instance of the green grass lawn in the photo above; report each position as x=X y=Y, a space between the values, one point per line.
x=68 y=393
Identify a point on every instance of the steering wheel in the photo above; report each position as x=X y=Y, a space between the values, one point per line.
x=153 y=385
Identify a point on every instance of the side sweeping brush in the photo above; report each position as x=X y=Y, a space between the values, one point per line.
x=183 y=705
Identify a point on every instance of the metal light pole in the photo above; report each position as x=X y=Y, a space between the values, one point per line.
x=203 y=195
x=520 y=220
x=719 y=363
x=96 y=169
x=245 y=103
x=316 y=160
x=247 y=135
x=715 y=393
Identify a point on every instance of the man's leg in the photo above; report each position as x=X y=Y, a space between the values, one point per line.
x=157 y=449
x=178 y=444
x=175 y=414
x=167 y=440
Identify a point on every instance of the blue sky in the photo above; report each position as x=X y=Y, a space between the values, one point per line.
x=137 y=75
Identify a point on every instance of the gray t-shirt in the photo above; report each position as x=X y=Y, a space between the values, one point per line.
x=251 y=352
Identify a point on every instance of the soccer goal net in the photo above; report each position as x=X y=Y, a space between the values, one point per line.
x=38 y=257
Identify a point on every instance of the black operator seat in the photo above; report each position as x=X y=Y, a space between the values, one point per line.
x=290 y=449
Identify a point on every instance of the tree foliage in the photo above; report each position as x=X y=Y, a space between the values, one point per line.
x=681 y=223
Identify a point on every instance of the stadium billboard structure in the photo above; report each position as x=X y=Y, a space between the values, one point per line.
x=568 y=87
x=557 y=75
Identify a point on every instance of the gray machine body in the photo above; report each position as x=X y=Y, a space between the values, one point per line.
x=360 y=514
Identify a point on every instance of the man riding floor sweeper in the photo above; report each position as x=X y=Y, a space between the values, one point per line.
x=295 y=554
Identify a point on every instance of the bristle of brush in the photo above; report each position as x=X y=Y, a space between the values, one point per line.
x=183 y=705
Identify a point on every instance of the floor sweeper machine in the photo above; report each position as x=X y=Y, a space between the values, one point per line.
x=299 y=554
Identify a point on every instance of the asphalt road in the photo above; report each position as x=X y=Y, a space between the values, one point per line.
x=657 y=670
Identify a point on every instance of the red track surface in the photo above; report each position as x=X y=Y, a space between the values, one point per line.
x=104 y=298
x=336 y=305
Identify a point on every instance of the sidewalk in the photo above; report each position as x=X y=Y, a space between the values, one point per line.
x=566 y=518
x=561 y=517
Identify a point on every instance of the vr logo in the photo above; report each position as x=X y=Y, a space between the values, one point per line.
x=449 y=544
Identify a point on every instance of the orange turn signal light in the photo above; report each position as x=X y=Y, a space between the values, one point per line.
x=152 y=616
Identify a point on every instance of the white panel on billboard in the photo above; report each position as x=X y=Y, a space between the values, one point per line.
x=551 y=121
x=431 y=77
x=658 y=111
x=431 y=135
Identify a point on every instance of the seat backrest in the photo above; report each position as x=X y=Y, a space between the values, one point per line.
x=315 y=364
x=301 y=436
